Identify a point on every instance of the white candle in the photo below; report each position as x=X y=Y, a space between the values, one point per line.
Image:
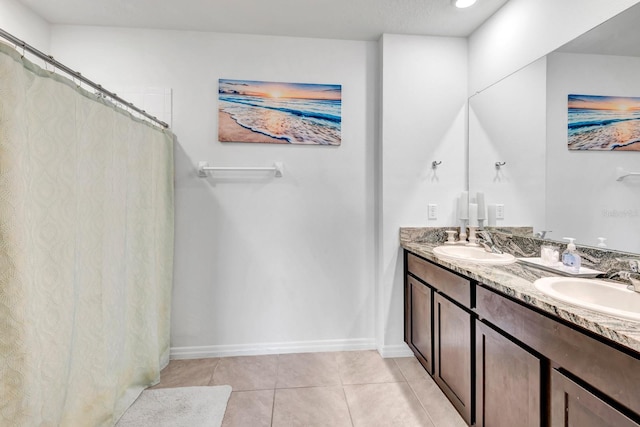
x=463 y=205
x=481 y=206
x=492 y=216
x=473 y=214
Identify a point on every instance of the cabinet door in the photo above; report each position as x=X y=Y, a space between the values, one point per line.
x=574 y=406
x=452 y=354
x=507 y=382
x=421 y=322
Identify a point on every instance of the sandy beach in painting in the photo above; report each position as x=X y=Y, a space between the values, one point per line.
x=229 y=131
x=615 y=136
x=632 y=146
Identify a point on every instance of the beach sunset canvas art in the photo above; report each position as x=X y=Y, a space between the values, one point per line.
x=279 y=113
x=604 y=123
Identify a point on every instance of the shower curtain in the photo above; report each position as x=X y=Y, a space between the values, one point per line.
x=86 y=251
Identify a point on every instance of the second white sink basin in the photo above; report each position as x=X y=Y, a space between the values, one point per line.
x=598 y=295
x=471 y=254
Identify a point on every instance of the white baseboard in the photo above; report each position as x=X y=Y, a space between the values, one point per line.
x=398 y=350
x=272 y=348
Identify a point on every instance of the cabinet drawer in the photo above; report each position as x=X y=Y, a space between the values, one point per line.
x=573 y=405
x=456 y=287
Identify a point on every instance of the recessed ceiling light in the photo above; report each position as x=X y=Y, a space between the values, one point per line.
x=461 y=4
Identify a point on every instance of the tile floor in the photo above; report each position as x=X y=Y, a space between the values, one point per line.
x=357 y=388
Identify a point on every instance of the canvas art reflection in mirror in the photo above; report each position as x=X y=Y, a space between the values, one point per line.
x=603 y=123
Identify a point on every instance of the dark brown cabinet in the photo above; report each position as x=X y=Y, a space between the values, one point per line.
x=508 y=391
x=574 y=406
x=502 y=362
x=609 y=370
x=420 y=328
x=452 y=349
x=439 y=331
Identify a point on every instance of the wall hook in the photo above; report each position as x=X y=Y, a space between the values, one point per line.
x=435 y=164
x=500 y=164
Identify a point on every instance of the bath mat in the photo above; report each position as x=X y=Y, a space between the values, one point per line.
x=178 y=407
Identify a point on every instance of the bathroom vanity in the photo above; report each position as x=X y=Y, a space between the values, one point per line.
x=507 y=355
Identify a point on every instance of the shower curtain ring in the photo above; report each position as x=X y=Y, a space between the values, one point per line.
x=52 y=63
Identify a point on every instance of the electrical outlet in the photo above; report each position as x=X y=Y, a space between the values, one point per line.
x=432 y=211
x=500 y=211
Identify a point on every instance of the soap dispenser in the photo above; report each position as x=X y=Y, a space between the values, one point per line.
x=570 y=257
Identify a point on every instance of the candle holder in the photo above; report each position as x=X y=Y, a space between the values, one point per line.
x=451 y=237
x=463 y=232
x=473 y=241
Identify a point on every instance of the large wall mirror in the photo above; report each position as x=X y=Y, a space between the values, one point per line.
x=523 y=122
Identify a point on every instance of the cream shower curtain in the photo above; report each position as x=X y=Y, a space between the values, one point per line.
x=86 y=251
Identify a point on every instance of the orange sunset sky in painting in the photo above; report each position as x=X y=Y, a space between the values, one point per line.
x=586 y=102
x=280 y=90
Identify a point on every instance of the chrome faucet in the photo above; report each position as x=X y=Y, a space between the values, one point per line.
x=541 y=234
x=484 y=239
x=633 y=276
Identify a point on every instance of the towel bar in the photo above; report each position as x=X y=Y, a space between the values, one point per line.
x=203 y=168
x=621 y=174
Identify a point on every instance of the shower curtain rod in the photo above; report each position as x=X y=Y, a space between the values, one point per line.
x=76 y=75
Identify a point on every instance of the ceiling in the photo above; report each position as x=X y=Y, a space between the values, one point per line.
x=617 y=36
x=335 y=19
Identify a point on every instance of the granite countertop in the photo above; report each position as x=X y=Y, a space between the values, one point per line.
x=516 y=280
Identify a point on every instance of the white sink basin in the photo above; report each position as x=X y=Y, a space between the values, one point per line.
x=598 y=295
x=471 y=254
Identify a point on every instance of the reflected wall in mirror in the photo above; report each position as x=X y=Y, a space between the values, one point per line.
x=523 y=120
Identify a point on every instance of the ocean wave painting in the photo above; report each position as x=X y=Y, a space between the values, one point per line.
x=279 y=113
x=604 y=123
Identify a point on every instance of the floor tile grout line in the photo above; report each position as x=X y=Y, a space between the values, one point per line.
x=275 y=384
x=337 y=367
x=433 y=423
x=346 y=400
x=414 y=393
x=214 y=372
x=273 y=407
x=275 y=387
x=401 y=371
x=339 y=370
x=312 y=386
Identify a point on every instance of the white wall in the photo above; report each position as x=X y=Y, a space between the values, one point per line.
x=24 y=24
x=507 y=123
x=525 y=30
x=574 y=177
x=287 y=265
x=424 y=91
x=261 y=264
